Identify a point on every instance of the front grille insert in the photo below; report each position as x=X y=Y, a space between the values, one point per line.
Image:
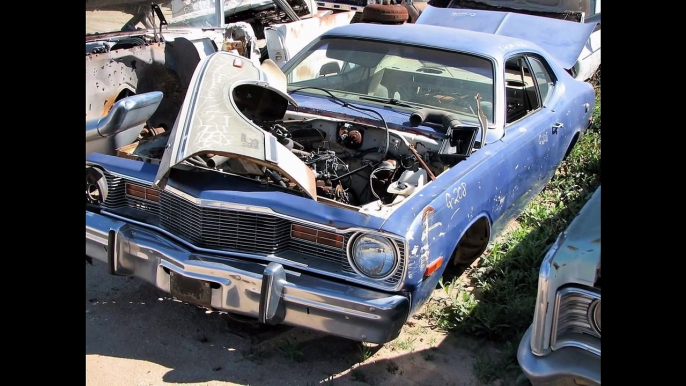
x=222 y=229
x=572 y=325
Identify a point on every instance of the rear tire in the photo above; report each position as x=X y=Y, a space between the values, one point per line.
x=386 y=14
x=522 y=380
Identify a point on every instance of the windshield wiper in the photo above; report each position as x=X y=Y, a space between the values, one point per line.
x=388 y=101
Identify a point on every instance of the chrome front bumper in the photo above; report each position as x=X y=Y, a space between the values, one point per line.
x=266 y=291
x=567 y=363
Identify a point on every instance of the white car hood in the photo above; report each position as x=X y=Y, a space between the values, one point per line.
x=211 y=121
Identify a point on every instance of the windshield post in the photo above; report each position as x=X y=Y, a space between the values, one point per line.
x=219 y=13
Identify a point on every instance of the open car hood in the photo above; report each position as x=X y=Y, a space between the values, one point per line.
x=226 y=92
x=563 y=40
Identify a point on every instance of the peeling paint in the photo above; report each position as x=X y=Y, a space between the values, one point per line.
x=426 y=212
x=573 y=248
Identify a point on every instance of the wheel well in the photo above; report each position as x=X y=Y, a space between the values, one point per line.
x=571 y=145
x=472 y=244
x=126 y=92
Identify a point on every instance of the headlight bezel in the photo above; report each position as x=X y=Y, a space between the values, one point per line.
x=96 y=185
x=594 y=315
x=355 y=239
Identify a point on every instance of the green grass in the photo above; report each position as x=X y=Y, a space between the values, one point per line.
x=406 y=344
x=291 y=350
x=364 y=352
x=507 y=274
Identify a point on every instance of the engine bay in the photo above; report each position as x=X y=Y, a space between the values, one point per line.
x=351 y=162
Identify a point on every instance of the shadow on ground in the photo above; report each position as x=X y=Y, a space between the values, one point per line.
x=135 y=333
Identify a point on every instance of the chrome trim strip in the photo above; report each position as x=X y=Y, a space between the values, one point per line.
x=127 y=177
x=539 y=338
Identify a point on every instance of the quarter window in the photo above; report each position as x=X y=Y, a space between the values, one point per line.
x=520 y=89
x=544 y=79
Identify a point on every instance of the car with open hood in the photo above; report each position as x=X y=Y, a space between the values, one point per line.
x=333 y=193
x=562 y=346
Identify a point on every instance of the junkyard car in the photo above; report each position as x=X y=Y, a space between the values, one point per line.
x=579 y=11
x=334 y=194
x=562 y=346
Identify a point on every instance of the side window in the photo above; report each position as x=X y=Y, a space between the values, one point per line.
x=544 y=78
x=520 y=89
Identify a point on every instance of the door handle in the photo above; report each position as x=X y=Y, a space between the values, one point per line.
x=557 y=126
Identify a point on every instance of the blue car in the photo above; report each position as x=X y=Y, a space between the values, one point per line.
x=333 y=193
x=562 y=346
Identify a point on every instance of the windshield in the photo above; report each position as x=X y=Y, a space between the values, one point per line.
x=426 y=77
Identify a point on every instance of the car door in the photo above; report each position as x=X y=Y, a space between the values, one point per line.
x=532 y=131
x=560 y=132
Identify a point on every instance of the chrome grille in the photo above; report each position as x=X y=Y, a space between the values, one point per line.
x=144 y=205
x=222 y=229
x=116 y=193
x=572 y=322
x=334 y=255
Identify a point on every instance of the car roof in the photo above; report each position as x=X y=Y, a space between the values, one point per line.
x=482 y=43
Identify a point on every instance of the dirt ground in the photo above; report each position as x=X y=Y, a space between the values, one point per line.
x=136 y=335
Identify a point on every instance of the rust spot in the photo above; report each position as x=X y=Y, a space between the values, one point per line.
x=426 y=212
x=107 y=106
x=557 y=266
x=573 y=248
x=596 y=241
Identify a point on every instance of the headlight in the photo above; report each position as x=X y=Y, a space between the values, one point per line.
x=374 y=256
x=96 y=186
x=594 y=313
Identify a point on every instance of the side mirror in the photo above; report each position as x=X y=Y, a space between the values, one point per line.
x=127 y=113
x=330 y=68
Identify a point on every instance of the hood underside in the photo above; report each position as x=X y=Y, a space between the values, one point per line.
x=226 y=93
x=563 y=40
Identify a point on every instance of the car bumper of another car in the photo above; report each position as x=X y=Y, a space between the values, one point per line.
x=339 y=7
x=265 y=291
x=568 y=363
